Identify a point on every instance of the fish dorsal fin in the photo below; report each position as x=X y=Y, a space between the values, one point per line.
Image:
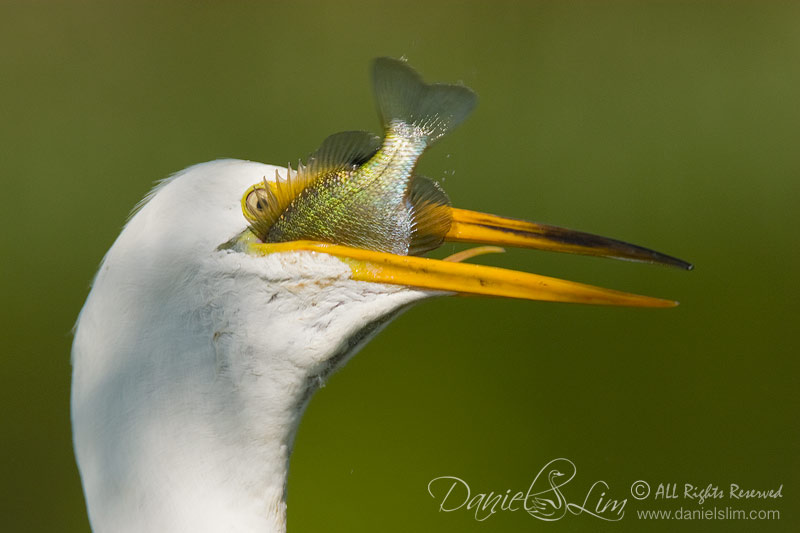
x=342 y=151
x=431 y=215
x=403 y=96
x=265 y=202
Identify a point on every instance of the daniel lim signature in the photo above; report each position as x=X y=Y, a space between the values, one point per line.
x=544 y=499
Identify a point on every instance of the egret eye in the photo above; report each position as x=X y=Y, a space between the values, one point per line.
x=257 y=202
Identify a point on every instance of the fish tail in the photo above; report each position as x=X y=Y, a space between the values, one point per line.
x=403 y=97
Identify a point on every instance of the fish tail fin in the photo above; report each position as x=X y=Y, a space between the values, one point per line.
x=402 y=96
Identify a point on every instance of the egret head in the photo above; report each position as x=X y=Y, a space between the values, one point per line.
x=199 y=346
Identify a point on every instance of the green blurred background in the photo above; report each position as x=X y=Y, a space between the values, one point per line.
x=671 y=125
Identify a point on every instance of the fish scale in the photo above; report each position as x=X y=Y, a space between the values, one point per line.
x=377 y=203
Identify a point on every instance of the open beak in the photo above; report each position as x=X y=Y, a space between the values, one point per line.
x=474 y=227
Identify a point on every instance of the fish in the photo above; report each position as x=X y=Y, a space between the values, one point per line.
x=362 y=191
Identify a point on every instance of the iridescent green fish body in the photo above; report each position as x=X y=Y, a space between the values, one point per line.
x=359 y=192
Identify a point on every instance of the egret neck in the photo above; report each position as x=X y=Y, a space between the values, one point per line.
x=192 y=365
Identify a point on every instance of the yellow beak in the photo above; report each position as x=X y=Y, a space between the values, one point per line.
x=475 y=227
x=468 y=279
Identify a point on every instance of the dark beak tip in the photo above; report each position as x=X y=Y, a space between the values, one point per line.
x=683 y=265
x=673 y=262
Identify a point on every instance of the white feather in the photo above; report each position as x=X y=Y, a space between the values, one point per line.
x=192 y=366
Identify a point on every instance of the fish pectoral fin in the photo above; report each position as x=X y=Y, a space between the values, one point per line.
x=431 y=215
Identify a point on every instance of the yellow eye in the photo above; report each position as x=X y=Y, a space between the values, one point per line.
x=256 y=203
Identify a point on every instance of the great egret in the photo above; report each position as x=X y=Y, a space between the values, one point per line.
x=202 y=341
